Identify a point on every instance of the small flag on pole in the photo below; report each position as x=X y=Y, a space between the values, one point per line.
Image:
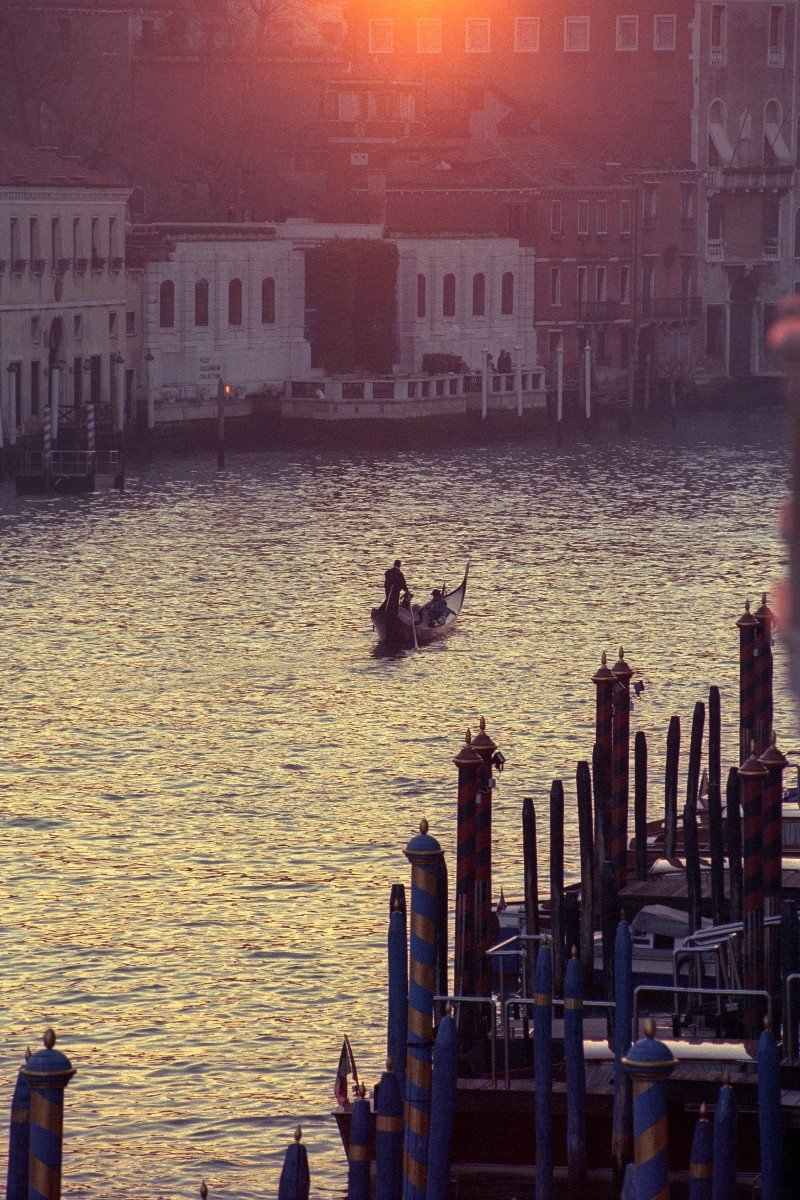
x=347 y=1066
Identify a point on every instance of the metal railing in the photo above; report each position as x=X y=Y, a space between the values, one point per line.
x=670 y=308
x=664 y=989
x=790 y=1020
x=529 y=1002
x=478 y=1000
x=67 y=463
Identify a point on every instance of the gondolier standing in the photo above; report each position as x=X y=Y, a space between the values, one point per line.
x=394 y=584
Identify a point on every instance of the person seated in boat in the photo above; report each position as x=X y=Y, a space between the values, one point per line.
x=436 y=610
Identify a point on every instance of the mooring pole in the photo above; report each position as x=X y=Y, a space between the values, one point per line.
x=389 y=1137
x=295 y=1180
x=671 y=788
x=734 y=826
x=695 y=755
x=763 y=675
x=543 y=1071
x=775 y=763
x=701 y=1159
x=483 y=745
x=18 y=1140
x=751 y=775
x=717 y=849
x=468 y=762
x=621 y=734
x=769 y=1114
x=530 y=865
x=576 y=1077
x=623 y=1021
x=748 y=626
x=48 y=1072
x=397 y=1022
x=359 y=1153
x=223 y=391
x=583 y=784
x=604 y=680
x=714 y=737
x=640 y=803
x=557 y=882
x=443 y=1109
x=726 y=1119
x=650 y=1064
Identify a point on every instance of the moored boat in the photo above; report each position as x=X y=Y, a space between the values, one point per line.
x=414 y=625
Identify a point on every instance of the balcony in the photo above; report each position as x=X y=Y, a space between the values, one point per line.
x=718 y=56
x=80 y=266
x=117 y=262
x=97 y=264
x=37 y=266
x=597 y=312
x=63 y=266
x=771 y=248
x=670 y=308
x=777 y=179
x=17 y=266
x=715 y=250
x=775 y=56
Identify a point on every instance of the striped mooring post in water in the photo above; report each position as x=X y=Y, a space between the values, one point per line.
x=389 y=1137
x=772 y=853
x=650 y=1063
x=295 y=1180
x=48 y=1072
x=763 y=675
x=623 y=1018
x=620 y=770
x=90 y=434
x=701 y=1158
x=424 y=854
x=604 y=680
x=543 y=1070
x=576 y=1075
x=468 y=762
x=751 y=776
x=485 y=747
x=18 y=1140
x=359 y=1153
x=748 y=627
x=47 y=440
x=726 y=1119
x=443 y=1108
x=397 y=1018
x=768 y=1060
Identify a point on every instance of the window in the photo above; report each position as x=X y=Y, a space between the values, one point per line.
x=664 y=32
x=627 y=33
x=35 y=392
x=687 y=204
x=624 y=347
x=201 y=303
x=15 y=255
x=507 y=294
x=582 y=285
x=429 y=35
x=600 y=347
x=268 y=301
x=555 y=286
x=526 y=35
x=624 y=284
x=130 y=323
x=649 y=206
x=422 y=289
x=34 y=239
x=77 y=239
x=776 y=150
x=716 y=221
x=381 y=37
x=77 y=326
x=166 y=305
x=555 y=217
x=600 y=279
x=770 y=222
x=625 y=216
x=720 y=150
x=719 y=35
x=235 y=302
x=576 y=34
x=477 y=35
x=648 y=280
x=95 y=238
x=687 y=278
x=36 y=330
x=113 y=248
x=55 y=241
x=583 y=217
x=602 y=216
x=715 y=330
x=775 y=45
x=449 y=296
x=479 y=294
x=112 y=324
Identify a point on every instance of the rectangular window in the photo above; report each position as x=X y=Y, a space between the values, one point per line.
x=715 y=330
x=716 y=221
x=601 y=276
x=555 y=286
x=770 y=224
x=687 y=278
x=624 y=284
x=77 y=327
x=602 y=216
x=775 y=47
x=130 y=323
x=55 y=241
x=625 y=216
x=477 y=35
x=576 y=34
x=719 y=35
x=112 y=324
x=526 y=35
x=77 y=239
x=429 y=35
x=113 y=248
x=627 y=33
x=95 y=238
x=555 y=217
x=664 y=31
x=582 y=285
x=35 y=388
x=34 y=239
x=422 y=288
x=687 y=204
x=15 y=255
x=381 y=37
x=583 y=217
x=648 y=280
x=649 y=206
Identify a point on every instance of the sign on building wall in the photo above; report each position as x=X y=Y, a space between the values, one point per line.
x=210 y=369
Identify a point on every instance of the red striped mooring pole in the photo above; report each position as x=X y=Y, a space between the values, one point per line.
x=604 y=680
x=468 y=762
x=748 y=627
x=763 y=675
x=775 y=763
x=485 y=748
x=620 y=768
x=752 y=774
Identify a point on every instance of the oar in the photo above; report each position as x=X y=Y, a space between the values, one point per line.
x=413 y=624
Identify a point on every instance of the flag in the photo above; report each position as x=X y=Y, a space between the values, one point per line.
x=347 y=1066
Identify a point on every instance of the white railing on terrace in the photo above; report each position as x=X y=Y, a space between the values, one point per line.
x=715 y=250
x=419 y=387
x=775 y=56
x=718 y=56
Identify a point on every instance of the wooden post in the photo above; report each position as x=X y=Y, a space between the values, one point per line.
x=468 y=762
x=695 y=755
x=640 y=803
x=714 y=738
x=576 y=1079
x=583 y=782
x=717 y=847
x=763 y=675
x=222 y=391
x=531 y=865
x=734 y=826
x=483 y=745
x=559 y=384
x=608 y=926
x=748 y=626
x=543 y=1072
x=605 y=681
x=620 y=771
x=790 y=964
x=751 y=775
x=692 y=854
x=485 y=386
x=671 y=787
x=557 y=882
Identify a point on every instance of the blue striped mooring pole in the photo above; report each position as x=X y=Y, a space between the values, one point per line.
x=389 y=1137
x=650 y=1063
x=424 y=853
x=295 y=1180
x=768 y=1059
x=726 y=1119
x=543 y=1070
x=359 y=1154
x=700 y=1168
x=48 y=1072
x=397 y=1020
x=18 y=1141
x=576 y=1073
x=623 y=1017
x=443 y=1108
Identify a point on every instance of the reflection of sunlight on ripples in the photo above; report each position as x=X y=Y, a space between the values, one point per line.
x=207 y=778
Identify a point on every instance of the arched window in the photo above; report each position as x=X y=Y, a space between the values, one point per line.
x=235 y=302
x=720 y=151
x=422 y=290
x=479 y=295
x=268 y=301
x=507 y=294
x=449 y=296
x=166 y=304
x=201 y=303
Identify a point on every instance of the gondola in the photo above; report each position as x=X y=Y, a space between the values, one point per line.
x=426 y=631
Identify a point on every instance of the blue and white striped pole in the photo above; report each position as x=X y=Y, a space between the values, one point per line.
x=650 y=1063
x=47 y=441
x=726 y=1119
x=623 y=1018
x=389 y=1137
x=576 y=1073
x=443 y=1108
x=295 y=1180
x=424 y=853
x=769 y=1114
x=18 y=1141
x=90 y=437
x=396 y=1033
x=700 y=1162
x=48 y=1072
x=543 y=1070
x=359 y=1154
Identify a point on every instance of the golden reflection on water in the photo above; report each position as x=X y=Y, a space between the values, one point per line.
x=207 y=778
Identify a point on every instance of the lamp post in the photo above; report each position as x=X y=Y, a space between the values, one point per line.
x=223 y=394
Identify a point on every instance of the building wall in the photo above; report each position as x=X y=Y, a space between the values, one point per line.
x=56 y=315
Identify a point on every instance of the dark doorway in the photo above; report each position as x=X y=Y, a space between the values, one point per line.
x=741 y=327
x=95 y=380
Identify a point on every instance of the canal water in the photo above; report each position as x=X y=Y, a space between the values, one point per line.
x=207 y=778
